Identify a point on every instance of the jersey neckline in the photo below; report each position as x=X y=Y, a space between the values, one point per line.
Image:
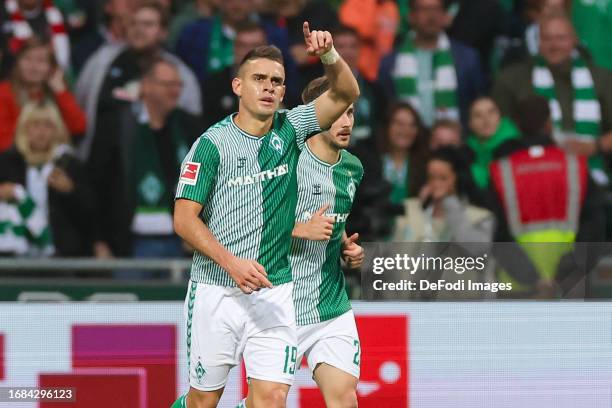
x=246 y=134
x=321 y=162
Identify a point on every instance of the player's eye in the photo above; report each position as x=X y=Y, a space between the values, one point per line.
x=277 y=81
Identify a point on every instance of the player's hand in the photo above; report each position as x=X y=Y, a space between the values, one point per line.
x=319 y=227
x=352 y=252
x=317 y=42
x=249 y=275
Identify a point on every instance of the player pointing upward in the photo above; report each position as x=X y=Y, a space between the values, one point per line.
x=235 y=204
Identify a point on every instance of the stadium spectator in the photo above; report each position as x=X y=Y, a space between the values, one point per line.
x=207 y=45
x=36 y=77
x=187 y=14
x=580 y=93
x=111 y=30
x=437 y=75
x=136 y=155
x=371 y=105
x=23 y=19
x=220 y=98
x=111 y=75
x=489 y=131
x=45 y=197
x=527 y=42
x=443 y=210
x=377 y=23
x=544 y=195
x=445 y=132
x=402 y=154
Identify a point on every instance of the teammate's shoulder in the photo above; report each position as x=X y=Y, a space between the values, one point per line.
x=351 y=159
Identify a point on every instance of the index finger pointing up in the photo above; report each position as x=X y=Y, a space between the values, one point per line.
x=306 y=31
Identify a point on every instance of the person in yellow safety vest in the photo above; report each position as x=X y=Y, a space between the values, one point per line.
x=548 y=200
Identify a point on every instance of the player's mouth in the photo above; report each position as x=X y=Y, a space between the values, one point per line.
x=267 y=100
x=344 y=135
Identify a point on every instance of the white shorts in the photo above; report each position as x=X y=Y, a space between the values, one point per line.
x=223 y=324
x=334 y=342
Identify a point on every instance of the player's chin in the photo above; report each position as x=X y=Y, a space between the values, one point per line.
x=267 y=109
x=342 y=142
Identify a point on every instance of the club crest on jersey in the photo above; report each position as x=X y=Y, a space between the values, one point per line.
x=316 y=189
x=189 y=173
x=351 y=189
x=242 y=162
x=277 y=143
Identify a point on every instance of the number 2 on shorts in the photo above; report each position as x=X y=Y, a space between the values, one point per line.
x=290 y=358
x=357 y=357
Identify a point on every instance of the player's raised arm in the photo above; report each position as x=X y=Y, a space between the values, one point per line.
x=343 y=85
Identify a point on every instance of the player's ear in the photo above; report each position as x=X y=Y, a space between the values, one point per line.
x=236 y=86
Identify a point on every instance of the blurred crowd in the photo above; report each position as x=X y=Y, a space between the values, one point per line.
x=479 y=120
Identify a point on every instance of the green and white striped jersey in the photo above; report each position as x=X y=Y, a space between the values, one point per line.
x=318 y=283
x=248 y=189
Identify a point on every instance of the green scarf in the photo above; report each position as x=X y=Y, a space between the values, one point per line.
x=220 y=48
x=444 y=76
x=484 y=149
x=586 y=109
x=24 y=229
x=152 y=194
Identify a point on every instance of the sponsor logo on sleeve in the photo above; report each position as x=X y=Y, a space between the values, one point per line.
x=189 y=173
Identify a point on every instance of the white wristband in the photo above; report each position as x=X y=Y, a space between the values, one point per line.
x=330 y=57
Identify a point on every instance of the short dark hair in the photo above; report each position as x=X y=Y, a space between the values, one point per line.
x=164 y=18
x=532 y=115
x=314 y=89
x=270 y=52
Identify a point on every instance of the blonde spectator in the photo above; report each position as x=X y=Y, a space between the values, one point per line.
x=45 y=202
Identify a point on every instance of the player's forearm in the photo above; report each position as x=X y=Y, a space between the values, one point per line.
x=196 y=233
x=342 y=83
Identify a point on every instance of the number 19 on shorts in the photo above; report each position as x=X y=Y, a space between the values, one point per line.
x=290 y=358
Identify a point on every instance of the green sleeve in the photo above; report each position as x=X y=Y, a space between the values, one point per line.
x=199 y=171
